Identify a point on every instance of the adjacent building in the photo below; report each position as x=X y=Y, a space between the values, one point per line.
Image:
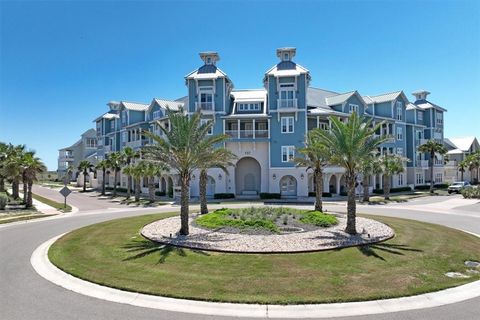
x=458 y=149
x=267 y=125
x=85 y=148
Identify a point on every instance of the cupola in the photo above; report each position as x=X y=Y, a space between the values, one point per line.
x=286 y=54
x=209 y=57
x=421 y=94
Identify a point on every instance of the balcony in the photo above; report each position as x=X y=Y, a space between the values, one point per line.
x=451 y=163
x=422 y=163
x=287 y=104
x=419 y=142
x=205 y=107
x=247 y=134
x=107 y=148
x=137 y=143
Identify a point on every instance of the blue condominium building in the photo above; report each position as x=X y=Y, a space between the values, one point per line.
x=267 y=125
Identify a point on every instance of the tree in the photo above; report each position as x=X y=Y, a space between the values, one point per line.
x=3 y=158
x=32 y=167
x=103 y=165
x=70 y=171
x=85 y=167
x=151 y=170
x=115 y=162
x=185 y=148
x=218 y=158
x=128 y=156
x=12 y=167
x=136 y=172
x=461 y=166
x=390 y=165
x=369 y=166
x=350 y=142
x=432 y=147
x=315 y=157
x=472 y=161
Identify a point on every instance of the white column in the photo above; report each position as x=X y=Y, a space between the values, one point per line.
x=268 y=127
x=253 y=125
x=337 y=178
x=238 y=128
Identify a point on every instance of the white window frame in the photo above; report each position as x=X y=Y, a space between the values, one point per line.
x=156 y=114
x=438 y=177
x=439 y=118
x=323 y=126
x=112 y=125
x=285 y=88
x=353 y=107
x=204 y=121
x=420 y=178
x=399 y=133
x=207 y=91
x=399 y=106
x=400 y=179
x=249 y=106
x=400 y=151
x=288 y=154
x=420 y=115
x=287 y=123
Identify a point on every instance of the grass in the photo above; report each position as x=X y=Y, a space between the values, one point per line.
x=57 y=205
x=114 y=254
x=22 y=217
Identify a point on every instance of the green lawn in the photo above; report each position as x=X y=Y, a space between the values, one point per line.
x=113 y=253
x=23 y=217
x=57 y=205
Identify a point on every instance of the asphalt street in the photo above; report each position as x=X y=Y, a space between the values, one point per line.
x=26 y=295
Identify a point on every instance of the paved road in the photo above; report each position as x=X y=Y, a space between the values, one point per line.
x=25 y=295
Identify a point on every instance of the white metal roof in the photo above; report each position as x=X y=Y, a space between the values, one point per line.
x=462 y=143
x=411 y=106
x=249 y=95
x=110 y=116
x=297 y=70
x=172 y=105
x=339 y=99
x=206 y=75
x=424 y=104
x=135 y=106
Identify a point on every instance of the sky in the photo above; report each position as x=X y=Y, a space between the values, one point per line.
x=61 y=62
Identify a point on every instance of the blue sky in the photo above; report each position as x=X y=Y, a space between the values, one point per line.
x=61 y=62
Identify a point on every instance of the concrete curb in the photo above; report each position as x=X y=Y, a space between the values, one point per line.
x=47 y=270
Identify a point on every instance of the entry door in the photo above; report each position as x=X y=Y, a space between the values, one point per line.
x=249 y=182
x=288 y=186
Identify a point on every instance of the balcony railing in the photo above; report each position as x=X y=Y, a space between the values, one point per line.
x=451 y=163
x=422 y=163
x=286 y=103
x=205 y=106
x=247 y=134
x=419 y=142
x=107 y=148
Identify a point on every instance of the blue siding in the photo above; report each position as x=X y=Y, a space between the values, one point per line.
x=279 y=139
x=383 y=109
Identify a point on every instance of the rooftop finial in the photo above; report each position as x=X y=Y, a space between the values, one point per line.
x=286 y=54
x=209 y=57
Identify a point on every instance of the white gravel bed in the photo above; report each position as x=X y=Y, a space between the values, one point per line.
x=166 y=231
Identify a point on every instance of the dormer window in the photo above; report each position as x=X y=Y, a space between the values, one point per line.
x=209 y=60
x=286 y=56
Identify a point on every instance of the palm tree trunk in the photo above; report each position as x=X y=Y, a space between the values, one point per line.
x=115 y=183
x=461 y=175
x=203 y=191
x=318 y=176
x=137 y=189
x=24 y=178
x=15 y=189
x=2 y=184
x=84 y=181
x=129 y=186
x=184 y=201
x=386 y=187
x=351 y=205
x=151 y=189
x=103 y=182
x=432 y=156
x=29 y=195
x=366 y=194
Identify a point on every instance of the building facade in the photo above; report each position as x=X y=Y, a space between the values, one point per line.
x=266 y=125
x=85 y=148
x=458 y=149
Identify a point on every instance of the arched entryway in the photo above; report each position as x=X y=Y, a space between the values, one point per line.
x=332 y=184
x=288 y=186
x=210 y=186
x=170 y=187
x=343 y=185
x=248 y=176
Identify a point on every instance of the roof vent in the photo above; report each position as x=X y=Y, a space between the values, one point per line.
x=209 y=57
x=286 y=54
x=421 y=94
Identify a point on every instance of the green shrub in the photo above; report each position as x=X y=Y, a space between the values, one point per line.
x=223 y=196
x=160 y=193
x=471 y=193
x=437 y=186
x=319 y=219
x=399 y=189
x=3 y=201
x=224 y=218
x=266 y=195
x=324 y=194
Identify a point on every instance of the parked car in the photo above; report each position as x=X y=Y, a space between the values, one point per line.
x=456 y=187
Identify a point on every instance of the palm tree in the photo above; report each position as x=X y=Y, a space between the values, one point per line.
x=462 y=165
x=85 y=167
x=185 y=148
x=115 y=162
x=432 y=147
x=12 y=167
x=3 y=158
x=103 y=165
x=128 y=156
x=350 y=142
x=390 y=164
x=369 y=166
x=152 y=170
x=32 y=166
x=473 y=163
x=218 y=158
x=136 y=171
x=316 y=157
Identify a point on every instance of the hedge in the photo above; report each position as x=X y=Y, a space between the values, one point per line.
x=324 y=194
x=223 y=196
x=160 y=193
x=266 y=195
x=399 y=189
x=438 y=186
